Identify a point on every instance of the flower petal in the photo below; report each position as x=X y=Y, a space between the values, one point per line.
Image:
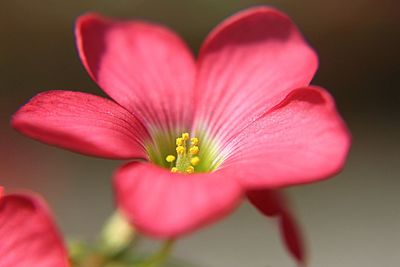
x=28 y=234
x=83 y=123
x=273 y=204
x=144 y=67
x=246 y=66
x=301 y=140
x=166 y=205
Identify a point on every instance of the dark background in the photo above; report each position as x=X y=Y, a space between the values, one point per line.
x=350 y=220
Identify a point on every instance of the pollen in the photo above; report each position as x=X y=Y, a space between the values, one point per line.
x=179 y=141
x=194 y=141
x=185 y=136
x=186 y=157
x=170 y=158
x=180 y=150
x=194 y=150
x=190 y=169
x=195 y=161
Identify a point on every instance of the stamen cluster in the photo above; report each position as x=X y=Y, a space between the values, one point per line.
x=186 y=158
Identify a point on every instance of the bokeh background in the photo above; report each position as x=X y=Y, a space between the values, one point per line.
x=351 y=220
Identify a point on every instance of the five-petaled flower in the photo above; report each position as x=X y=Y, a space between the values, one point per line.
x=258 y=125
x=28 y=235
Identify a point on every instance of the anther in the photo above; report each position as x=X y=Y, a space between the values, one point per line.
x=190 y=169
x=180 y=150
x=195 y=161
x=179 y=141
x=194 y=150
x=194 y=141
x=174 y=169
x=185 y=136
x=170 y=158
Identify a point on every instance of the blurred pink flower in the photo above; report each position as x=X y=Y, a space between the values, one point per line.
x=247 y=97
x=28 y=236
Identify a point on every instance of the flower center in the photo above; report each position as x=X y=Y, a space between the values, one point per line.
x=186 y=158
x=185 y=154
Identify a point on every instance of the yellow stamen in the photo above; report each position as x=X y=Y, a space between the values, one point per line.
x=170 y=158
x=179 y=141
x=194 y=141
x=186 y=157
x=185 y=136
x=180 y=150
x=190 y=169
x=195 y=161
x=194 y=150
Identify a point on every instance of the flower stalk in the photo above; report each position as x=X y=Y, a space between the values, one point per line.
x=115 y=248
x=160 y=257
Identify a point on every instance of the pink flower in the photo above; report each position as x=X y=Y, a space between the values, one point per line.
x=28 y=236
x=246 y=97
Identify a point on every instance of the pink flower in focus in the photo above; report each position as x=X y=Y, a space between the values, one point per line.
x=246 y=97
x=28 y=236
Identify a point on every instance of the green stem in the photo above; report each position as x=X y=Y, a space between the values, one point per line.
x=115 y=243
x=160 y=257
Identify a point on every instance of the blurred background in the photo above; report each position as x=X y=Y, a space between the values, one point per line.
x=351 y=220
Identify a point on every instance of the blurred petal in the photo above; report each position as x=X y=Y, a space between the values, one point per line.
x=144 y=67
x=166 y=205
x=28 y=236
x=301 y=140
x=272 y=203
x=247 y=65
x=83 y=123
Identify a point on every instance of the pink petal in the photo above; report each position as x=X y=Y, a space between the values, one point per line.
x=83 y=123
x=272 y=203
x=166 y=205
x=301 y=140
x=28 y=236
x=246 y=66
x=144 y=67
